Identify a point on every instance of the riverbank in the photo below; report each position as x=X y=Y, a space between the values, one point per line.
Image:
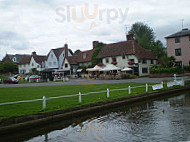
x=33 y=121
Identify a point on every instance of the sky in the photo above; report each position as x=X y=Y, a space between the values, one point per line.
x=40 y=25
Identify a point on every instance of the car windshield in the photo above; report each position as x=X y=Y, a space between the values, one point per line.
x=12 y=78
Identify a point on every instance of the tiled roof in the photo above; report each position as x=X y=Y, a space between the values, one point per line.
x=125 y=48
x=72 y=60
x=184 y=32
x=39 y=59
x=25 y=60
x=58 y=51
x=88 y=55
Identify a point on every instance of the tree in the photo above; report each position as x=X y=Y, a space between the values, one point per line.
x=77 y=52
x=9 y=67
x=145 y=37
x=143 y=34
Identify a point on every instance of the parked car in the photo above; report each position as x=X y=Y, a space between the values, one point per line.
x=17 y=76
x=34 y=77
x=10 y=80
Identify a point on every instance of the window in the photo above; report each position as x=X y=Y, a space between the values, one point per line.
x=54 y=63
x=178 y=52
x=144 y=61
x=144 y=70
x=63 y=55
x=107 y=60
x=14 y=59
x=123 y=57
x=32 y=64
x=131 y=60
x=152 y=61
x=49 y=63
x=51 y=55
x=189 y=63
x=38 y=66
x=66 y=65
x=84 y=56
x=177 y=40
x=189 y=38
x=114 y=59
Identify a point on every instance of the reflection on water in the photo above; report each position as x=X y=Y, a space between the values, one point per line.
x=161 y=120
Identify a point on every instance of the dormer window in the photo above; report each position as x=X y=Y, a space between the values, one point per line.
x=84 y=56
x=14 y=59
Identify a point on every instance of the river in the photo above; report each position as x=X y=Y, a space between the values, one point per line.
x=162 y=120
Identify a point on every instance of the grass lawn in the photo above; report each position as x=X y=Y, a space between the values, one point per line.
x=29 y=93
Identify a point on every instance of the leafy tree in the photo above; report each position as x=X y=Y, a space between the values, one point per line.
x=35 y=71
x=77 y=51
x=145 y=37
x=168 y=61
x=9 y=67
x=143 y=34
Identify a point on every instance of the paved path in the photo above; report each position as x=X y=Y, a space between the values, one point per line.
x=86 y=81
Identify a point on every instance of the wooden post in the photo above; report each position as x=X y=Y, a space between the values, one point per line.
x=129 y=90
x=146 y=87
x=80 y=98
x=44 y=102
x=108 y=93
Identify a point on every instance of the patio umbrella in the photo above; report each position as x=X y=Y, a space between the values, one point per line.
x=96 y=68
x=110 y=67
x=126 y=69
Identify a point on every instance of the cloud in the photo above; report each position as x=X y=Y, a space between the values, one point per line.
x=13 y=41
x=28 y=25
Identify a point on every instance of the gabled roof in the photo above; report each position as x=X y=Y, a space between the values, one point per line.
x=184 y=32
x=39 y=59
x=9 y=57
x=72 y=60
x=58 y=51
x=87 y=53
x=25 y=60
x=125 y=48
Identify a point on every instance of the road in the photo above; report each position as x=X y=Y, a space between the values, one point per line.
x=86 y=81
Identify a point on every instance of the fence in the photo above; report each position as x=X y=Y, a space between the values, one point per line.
x=44 y=99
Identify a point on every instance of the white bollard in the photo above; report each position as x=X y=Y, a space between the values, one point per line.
x=108 y=93
x=175 y=77
x=48 y=80
x=146 y=87
x=80 y=98
x=129 y=90
x=37 y=80
x=29 y=80
x=162 y=83
x=44 y=102
x=183 y=82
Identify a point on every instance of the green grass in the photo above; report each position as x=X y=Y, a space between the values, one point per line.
x=29 y=93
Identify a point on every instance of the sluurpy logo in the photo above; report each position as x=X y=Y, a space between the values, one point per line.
x=92 y=17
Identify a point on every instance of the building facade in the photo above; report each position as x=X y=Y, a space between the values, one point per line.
x=178 y=45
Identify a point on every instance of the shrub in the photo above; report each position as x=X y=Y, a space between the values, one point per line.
x=128 y=76
x=155 y=70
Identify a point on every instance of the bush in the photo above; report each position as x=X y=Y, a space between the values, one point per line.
x=187 y=68
x=155 y=70
x=128 y=76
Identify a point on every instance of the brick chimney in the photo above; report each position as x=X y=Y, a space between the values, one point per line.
x=66 y=50
x=94 y=44
x=130 y=36
x=34 y=53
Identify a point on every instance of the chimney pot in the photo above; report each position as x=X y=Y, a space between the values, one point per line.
x=130 y=36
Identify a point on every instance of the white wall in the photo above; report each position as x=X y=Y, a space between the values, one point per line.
x=24 y=68
x=52 y=61
x=34 y=64
x=66 y=62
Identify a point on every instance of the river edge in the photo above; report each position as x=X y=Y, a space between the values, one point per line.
x=23 y=123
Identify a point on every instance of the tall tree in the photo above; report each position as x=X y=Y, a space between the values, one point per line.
x=143 y=34
x=145 y=37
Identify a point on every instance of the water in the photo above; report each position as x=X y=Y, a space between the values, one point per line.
x=165 y=120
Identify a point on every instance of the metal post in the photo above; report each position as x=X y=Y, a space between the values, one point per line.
x=108 y=93
x=44 y=102
x=129 y=90
x=80 y=98
x=146 y=87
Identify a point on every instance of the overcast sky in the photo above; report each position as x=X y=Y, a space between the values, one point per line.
x=39 y=25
